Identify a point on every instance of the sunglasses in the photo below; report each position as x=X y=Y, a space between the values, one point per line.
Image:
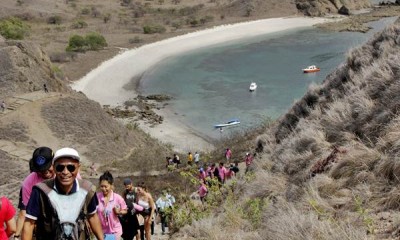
x=70 y=167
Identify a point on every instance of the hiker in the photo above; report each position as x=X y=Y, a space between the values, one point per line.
x=110 y=206
x=222 y=171
x=196 y=158
x=170 y=197
x=228 y=154
x=235 y=168
x=53 y=205
x=41 y=166
x=7 y=213
x=130 y=223
x=93 y=169
x=176 y=160
x=45 y=88
x=202 y=191
x=248 y=161
x=202 y=174
x=190 y=159
x=146 y=201
x=3 y=106
x=163 y=205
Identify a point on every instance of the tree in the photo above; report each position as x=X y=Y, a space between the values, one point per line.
x=14 y=28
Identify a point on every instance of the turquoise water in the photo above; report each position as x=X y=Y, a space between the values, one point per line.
x=210 y=85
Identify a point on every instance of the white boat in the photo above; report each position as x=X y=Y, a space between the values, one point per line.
x=227 y=124
x=311 y=69
x=253 y=87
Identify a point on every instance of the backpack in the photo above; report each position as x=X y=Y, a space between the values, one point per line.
x=64 y=224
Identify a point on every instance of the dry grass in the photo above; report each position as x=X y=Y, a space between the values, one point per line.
x=121 y=147
x=356 y=109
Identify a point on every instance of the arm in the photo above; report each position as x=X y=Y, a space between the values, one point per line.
x=11 y=227
x=27 y=231
x=95 y=225
x=20 y=222
x=151 y=203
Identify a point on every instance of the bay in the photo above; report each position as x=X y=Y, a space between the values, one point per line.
x=210 y=85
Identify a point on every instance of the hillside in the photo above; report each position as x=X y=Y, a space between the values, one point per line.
x=329 y=168
x=63 y=117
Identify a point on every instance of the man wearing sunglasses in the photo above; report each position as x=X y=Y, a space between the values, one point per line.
x=61 y=207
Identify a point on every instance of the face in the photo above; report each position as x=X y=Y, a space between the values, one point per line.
x=48 y=173
x=105 y=187
x=129 y=187
x=66 y=171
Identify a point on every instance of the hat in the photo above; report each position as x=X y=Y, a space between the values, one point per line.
x=41 y=159
x=66 y=153
x=127 y=181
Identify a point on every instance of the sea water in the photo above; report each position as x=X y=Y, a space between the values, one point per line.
x=211 y=85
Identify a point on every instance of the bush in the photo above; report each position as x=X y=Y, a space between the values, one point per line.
x=150 y=29
x=85 y=11
x=14 y=28
x=54 y=20
x=76 y=43
x=79 y=24
x=92 y=41
x=136 y=39
x=95 y=41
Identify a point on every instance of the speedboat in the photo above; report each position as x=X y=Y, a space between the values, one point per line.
x=227 y=124
x=253 y=87
x=311 y=69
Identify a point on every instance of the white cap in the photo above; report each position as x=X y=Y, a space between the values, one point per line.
x=66 y=153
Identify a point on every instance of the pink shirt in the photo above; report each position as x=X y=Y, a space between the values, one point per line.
x=202 y=190
x=228 y=154
x=222 y=172
x=109 y=220
x=7 y=212
x=31 y=180
x=202 y=175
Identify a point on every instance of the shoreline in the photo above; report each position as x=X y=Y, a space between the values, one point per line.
x=111 y=82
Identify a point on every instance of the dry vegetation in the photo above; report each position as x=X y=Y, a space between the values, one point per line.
x=347 y=127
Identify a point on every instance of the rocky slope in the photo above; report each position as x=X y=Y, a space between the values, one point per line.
x=323 y=7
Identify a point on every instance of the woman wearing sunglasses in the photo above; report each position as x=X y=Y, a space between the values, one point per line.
x=110 y=206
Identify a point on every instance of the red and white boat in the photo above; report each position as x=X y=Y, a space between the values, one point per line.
x=311 y=69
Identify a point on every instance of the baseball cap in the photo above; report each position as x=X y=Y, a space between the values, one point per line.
x=66 y=153
x=127 y=181
x=41 y=159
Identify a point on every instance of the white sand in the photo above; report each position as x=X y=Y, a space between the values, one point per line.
x=105 y=83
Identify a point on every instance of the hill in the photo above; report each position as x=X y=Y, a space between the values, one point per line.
x=328 y=169
x=63 y=117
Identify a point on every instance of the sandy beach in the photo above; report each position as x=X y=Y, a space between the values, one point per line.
x=106 y=84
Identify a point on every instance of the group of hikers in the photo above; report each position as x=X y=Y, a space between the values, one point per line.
x=207 y=173
x=56 y=203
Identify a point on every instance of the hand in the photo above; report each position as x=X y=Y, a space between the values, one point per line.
x=117 y=210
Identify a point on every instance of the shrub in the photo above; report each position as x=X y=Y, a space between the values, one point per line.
x=54 y=20
x=136 y=39
x=150 y=29
x=92 y=41
x=79 y=24
x=76 y=43
x=107 y=17
x=95 y=41
x=85 y=11
x=14 y=28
